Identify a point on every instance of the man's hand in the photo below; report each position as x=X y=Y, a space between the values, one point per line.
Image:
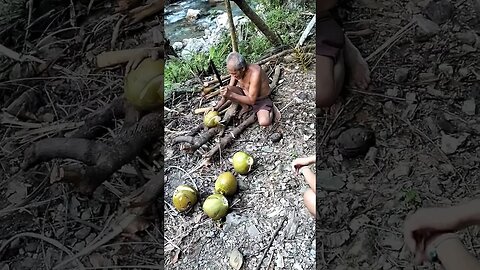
x=298 y=163
x=225 y=92
x=425 y=225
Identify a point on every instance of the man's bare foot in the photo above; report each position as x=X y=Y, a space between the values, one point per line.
x=275 y=114
x=358 y=73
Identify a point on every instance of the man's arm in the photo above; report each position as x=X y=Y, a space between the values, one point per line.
x=253 y=91
x=467 y=214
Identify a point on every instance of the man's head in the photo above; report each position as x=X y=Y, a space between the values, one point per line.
x=236 y=65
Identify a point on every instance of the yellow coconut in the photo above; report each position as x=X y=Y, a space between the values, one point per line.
x=242 y=162
x=216 y=206
x=184 y=198
x=211 y=119
x=144 y=85
x=226 y=184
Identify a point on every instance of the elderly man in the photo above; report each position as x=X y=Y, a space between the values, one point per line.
x=252 y=90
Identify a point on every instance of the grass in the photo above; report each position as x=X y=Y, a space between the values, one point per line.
x=287 y=23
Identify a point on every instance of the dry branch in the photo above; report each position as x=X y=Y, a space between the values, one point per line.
x=112 y=58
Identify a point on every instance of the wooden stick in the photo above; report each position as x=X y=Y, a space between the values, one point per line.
x=391 y=40
x=112 y=58
x=202 y=110
x=306 y=31
x=270 y=243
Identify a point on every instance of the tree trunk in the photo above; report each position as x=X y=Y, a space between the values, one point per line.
x=233 y=33
x=271 y=36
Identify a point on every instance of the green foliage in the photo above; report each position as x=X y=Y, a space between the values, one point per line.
x=411 y=197
x=285 y=22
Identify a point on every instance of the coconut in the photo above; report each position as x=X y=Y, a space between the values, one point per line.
x=242 y=162
x=226 y=184
x=144 y=85
x=211 y=119
x=216 y=206
x=184 y=198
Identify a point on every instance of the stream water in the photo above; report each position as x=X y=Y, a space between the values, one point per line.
x=178 y=27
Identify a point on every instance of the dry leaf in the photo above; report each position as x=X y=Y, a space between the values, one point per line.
x=236 y=259
x=17 y=191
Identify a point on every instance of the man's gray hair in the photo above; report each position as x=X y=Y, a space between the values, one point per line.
x=237 y=60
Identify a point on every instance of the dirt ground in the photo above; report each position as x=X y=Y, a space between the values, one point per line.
x=48 y=223
x=421 y=106
x=266 y=196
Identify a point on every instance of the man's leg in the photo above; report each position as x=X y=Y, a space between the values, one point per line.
x=264 y=117
x=330 y=78
x=309 y=199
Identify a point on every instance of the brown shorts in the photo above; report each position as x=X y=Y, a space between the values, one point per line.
x=263 y=104
x=330 y=37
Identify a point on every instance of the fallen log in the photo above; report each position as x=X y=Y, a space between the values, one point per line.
x=100 y=160
x=225 y=141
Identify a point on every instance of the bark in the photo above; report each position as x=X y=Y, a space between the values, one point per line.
x=271 y=36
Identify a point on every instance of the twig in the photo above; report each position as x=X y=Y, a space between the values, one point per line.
x=270 y=243
x=327 y=133
x=391 y=40
x=378 y=95
x=186 y=173
x=116 y=31
x=44 y=238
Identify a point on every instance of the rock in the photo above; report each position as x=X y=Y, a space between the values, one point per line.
x=193 y=46
x=253 y=231
x=83 y=233
x=402 y=169
x=468 y=49
x=434 y=186
x=446 y=69
x=467 y=37
x=450 y=144
x=426 y=28
x=439 y=11
x=401 y=74
x=329 y=182
x=276 y=137
x=192 y=14
x=355 y=141
x=463 y=72
x=434 y=92
x=411 y=97
x=469 y=107
x=177 y=46
x=358 y=222
x=393 y=92
x=371 y=154
x=79 y=246
x=427 y=76
x=393 y=242
x=337 y=239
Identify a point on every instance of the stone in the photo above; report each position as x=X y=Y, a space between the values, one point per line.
x=469 y=107
x=463 y=72
x=402 y=169
x=192 y=14
x=329 y=182
x=446 y=69
x=450 y=144
x=253 y=231
x=427 y=76
x=83 y=233
x=468 y=49
x=411 y=97
x=434 y=186
x=177 y=46
x=439 y=11
x=468 y=38
x=393 y=92
x=426 y=28
x=276 y=137
x=401 y=75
